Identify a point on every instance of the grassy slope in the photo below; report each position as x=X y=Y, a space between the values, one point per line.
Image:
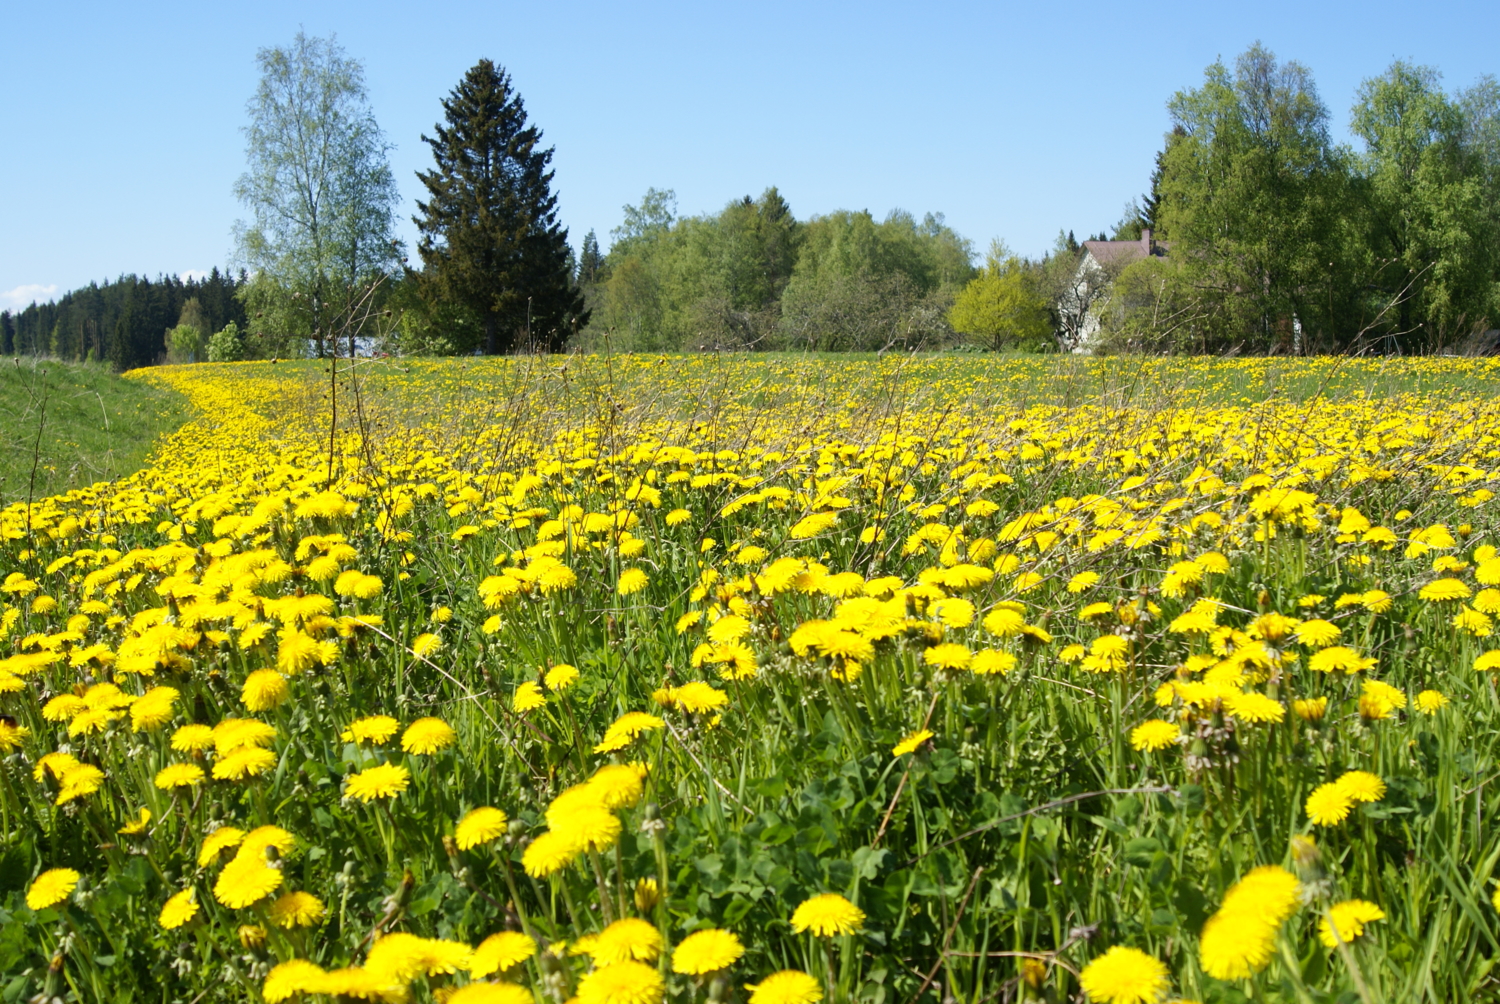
x=79 y=423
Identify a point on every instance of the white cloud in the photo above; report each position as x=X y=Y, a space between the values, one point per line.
x=23 y=296
x=193 y=273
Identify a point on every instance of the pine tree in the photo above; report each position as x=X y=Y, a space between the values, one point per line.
x=591 y=261
x=490 y=237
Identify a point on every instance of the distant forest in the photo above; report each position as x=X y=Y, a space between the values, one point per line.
x=123 y=322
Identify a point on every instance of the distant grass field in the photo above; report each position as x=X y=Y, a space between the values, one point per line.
x=75 y=424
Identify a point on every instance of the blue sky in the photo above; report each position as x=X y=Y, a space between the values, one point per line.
x=120 y=141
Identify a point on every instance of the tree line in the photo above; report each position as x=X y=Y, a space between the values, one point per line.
x=1264 y=235
x=129 y=321
x=753 y=276
x=1277 y=239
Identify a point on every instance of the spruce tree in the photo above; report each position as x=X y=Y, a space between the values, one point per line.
x=490 y=239
x=590 y=262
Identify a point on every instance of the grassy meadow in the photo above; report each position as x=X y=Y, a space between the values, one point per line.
x=773 y=679
x=69 y=425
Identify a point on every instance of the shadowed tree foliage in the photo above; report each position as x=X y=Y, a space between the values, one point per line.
x=491 y=244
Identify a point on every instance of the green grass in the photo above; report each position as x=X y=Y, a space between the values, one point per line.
x=68 y=425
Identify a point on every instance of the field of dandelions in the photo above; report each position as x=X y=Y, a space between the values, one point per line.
x=771 y=680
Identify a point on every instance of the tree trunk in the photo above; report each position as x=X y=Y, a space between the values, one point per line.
x=490 y=334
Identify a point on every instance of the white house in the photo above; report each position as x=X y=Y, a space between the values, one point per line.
x=1098 y=266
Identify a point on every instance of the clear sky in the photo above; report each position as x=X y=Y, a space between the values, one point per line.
x=120 y=123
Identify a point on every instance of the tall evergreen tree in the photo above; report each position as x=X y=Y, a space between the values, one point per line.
x=590 y=261
x=490 y=237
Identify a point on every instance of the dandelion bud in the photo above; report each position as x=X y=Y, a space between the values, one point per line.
x=647 y=895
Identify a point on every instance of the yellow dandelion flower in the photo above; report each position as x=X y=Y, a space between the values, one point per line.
x=78 y=781
x=218 y=841
x=911 y=742
x=1378 y=700
x=385 y=780
x=51 y=887
x=1153 y=735
x=374 y=729
x=626 y=728
x=11 y=736
x=179 y=775
x=1254 y=707
x=1318 y=633
x=826 y=915
x=617 y=785
x=239 y=733
x=1236 y=945
x=1444 y=590
x=179 y=908
x=697 y=697
x=1083 y=581
x=989 y=661
x=630 y=938
x=647 y=894
x=632 y=580
x=628 y=982
x=193 y=739
x=246 y=879
x=264 y=690
x=1125 y=975
x=528 y=697
x=550 y=853
x=289 y=979
x=428 y=735
x=480 y=826
x=1328 y=805
x=1430 y=702
x=789 y=986
x=248 y=761
x=1237 y=941
x=560 y=677
x=401 y=957
x=1339 y=658
x=1310 y=709
x=137 y=825
x=296 y=909
x=360 y=984
x=500 y=952
x=586 y=826
x=154 y=709
x=705 y=951
x=1361 y=786
x=491 y=993
x=949 y=655
x=1346 y=921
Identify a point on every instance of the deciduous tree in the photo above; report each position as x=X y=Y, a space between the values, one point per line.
x=319 y=190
